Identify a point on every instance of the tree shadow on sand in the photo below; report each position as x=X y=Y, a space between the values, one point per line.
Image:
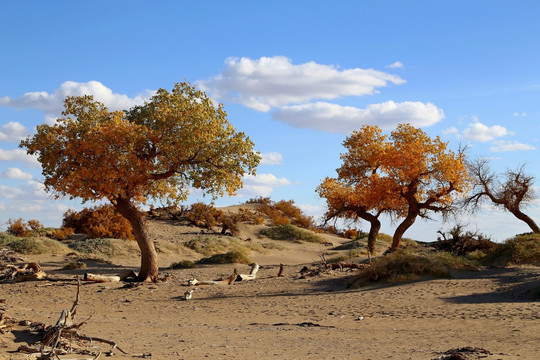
x=511 y=285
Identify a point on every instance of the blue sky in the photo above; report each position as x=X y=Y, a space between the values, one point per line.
x=296 y=76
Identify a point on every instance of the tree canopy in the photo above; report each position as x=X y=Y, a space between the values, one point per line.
x=175 y=141
x=407 y=174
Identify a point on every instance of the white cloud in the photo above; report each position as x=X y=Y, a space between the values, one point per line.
x=52 y=104
x=271 y=158
x=343 y=119
x=483 y=133
x=261 y=185
x=16 y=173
x=268 y=82
x=18 y=155
x=519 y=114
x=504 y=146
x=450 y=130
x=396 y=65
x=13 y=132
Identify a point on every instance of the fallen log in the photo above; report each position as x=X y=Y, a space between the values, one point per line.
x=109 y=278
x=252 y=274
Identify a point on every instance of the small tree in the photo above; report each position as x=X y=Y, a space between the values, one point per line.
x=513 y=190
x=407 y=175
x=427 y=175
x=177 y=140
x=361 y=190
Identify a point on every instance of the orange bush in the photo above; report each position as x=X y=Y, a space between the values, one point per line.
x=203 y=215
x=62 y=233
x=99 y=222
x=350 y=234
x=18 y=228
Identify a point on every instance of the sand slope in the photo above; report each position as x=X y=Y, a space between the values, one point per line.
x=287 y=317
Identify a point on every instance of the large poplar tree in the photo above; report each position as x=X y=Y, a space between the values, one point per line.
x=175 y=141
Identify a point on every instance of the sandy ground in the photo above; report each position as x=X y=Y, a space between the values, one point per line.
x=287 y=317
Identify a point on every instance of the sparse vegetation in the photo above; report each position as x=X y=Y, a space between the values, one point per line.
x=405 y=265
x=183 y=264
x=32 y=245
x=93 y=246
x=236 y=256
x=520 y=250
x=291 y=233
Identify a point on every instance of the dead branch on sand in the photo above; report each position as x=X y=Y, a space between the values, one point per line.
x=64 y=338
x=228 y=281
x=108 y=278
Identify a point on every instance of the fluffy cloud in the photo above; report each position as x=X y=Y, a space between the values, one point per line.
x=268 y=82
x=504 y=146
x=18 y=155
x=343 y=119
x=15 y=173
x=52 y=103
x=13 y=132
x=483 y=133
x=271 y=158
x=261 y=185
x=396 y=65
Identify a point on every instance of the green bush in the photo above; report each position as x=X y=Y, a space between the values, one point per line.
x=93 y=246
x=183 y=264
x=231 y=257
x=521 y=250
x=291 y=233
x=405 y=265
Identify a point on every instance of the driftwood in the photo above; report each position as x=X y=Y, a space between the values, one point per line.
x=25 y=272
x=64 y=338
x=252 y=274
x=108 y=278
x=228 y=281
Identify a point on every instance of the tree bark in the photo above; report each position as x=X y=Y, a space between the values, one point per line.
x=398 y=234
x=373 y=232
x=524 y=217
x=149 y=266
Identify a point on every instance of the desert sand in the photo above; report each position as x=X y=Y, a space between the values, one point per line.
x=488 y=314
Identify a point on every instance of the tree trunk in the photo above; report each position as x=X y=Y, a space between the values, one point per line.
x=372 y=236
x=523 y=217
x=405 y=224
x=149 y=265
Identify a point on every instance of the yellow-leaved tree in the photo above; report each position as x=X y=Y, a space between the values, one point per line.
x=175 y=141
x=407 y=174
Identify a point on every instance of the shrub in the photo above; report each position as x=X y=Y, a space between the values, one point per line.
x=404 y=265
x=203 y=215
x=208 y=245
x=291 y=233
x=99 y=222
x=460 y=242
x=350 y=234
x=18 y=228
x=28 y=246
x=520 y=250
x=183 y=264
x=93 y=246
x=234 y=256
x=229 y=222
x=62 y=233
x=35 y=225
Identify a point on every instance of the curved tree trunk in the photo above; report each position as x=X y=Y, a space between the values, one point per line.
x=372 y=236
x=398 y=234
x=523 y=217
x=149 y=265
